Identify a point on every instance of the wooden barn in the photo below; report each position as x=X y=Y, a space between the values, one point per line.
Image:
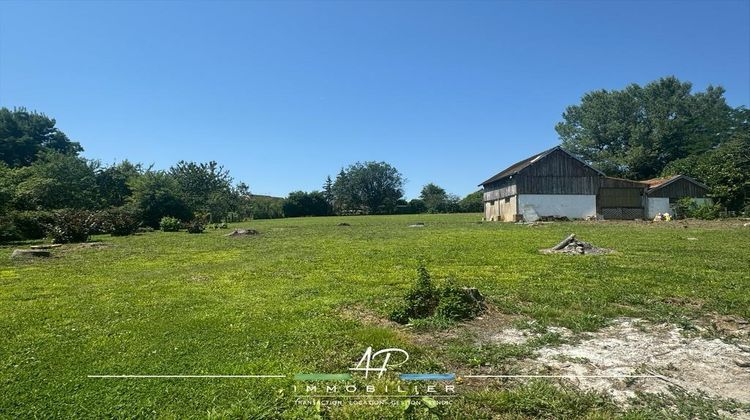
x=551 y=183
x=555 y=183
x=663 y=193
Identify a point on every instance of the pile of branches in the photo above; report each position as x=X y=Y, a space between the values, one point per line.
x=573 y=246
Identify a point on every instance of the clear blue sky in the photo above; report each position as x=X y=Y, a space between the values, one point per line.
x=285 y=93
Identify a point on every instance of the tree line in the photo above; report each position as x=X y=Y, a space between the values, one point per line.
x=45 y=185
x=375 y=188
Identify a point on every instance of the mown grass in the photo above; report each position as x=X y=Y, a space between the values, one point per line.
x=174 y=303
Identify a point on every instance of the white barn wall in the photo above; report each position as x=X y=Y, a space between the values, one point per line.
x=570 y=206
x=656 y=205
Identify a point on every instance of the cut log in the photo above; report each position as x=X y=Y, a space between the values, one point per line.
x=45 y=246
x=565 y=242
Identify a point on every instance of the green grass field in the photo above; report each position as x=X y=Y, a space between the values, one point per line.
x=301 y=297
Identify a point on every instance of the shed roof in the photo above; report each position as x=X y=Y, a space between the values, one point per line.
x=657 y=183
x=519 y=166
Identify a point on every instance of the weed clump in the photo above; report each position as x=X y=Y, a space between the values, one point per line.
x=450 y=302
x=170 y=224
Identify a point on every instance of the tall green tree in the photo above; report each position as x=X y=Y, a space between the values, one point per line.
x=56 y=181
x=114 y=182
x=206 y=188
x=7 y=187
x=473 y=202
x=328 y=190
x=24 y=135
x=373 y=187
x=434 y=198
x=157 y=194
x=637 y=131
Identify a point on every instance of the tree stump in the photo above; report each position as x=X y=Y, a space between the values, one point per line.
x=30 y=253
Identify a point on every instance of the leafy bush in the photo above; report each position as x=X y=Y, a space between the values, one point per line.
x=8 y=231
x=706 y=211
x=682 y=208
x=687 y=207
x=32 y=224
x=456 y=303
x=71 y=225
x=170 y=224
x=195 y=227
x=120 y=221
x=157 y=194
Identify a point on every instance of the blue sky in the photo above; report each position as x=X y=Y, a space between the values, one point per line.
x=285 y=93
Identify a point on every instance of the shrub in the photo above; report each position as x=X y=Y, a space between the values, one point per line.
x=120 y=221
x=447 y=303
x=706 y=211
x=170 y=224
x=72 y=226
x=8 y=231
x=687 y=207
x=32 y=224
x=420 y=300
x=682 y=207
x=195 y=227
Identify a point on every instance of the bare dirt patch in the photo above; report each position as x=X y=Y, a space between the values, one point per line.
x=696 y=361
x=523 y=336
x=634 y=347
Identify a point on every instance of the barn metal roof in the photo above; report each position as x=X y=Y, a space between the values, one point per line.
x=519 y=166
x=657 y=183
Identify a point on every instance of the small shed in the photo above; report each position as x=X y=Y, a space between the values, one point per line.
x=663 y=193
x=620 y=198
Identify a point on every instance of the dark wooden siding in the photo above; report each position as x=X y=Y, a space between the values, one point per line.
x=619 y=197
x=500 y=189
x=557 y=185
x=557 y=173
x=680 y=188
x=619 y=194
